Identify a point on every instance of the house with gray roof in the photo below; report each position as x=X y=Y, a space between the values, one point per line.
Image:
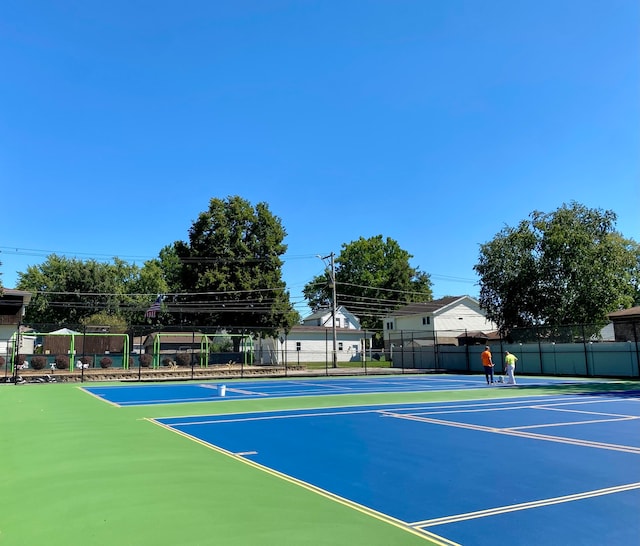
x=626 y=324
x=443 y=321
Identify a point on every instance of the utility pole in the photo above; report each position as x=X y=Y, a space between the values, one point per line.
x=332 y=273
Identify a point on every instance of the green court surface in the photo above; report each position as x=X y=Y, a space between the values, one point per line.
x=77 y=470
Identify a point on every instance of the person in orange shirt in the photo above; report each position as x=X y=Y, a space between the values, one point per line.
x=487 y=363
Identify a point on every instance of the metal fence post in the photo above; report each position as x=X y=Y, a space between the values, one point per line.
x=586 y=354
x=635 y=337
x=539 y=349
x=466 y=349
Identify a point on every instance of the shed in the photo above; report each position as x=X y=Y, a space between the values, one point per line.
x=626 y=324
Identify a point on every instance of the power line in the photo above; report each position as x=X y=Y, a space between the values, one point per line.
x=44 y=253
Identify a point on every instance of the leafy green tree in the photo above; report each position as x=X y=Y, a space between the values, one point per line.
x=567 y=267
x=116 y=324
x=635 y=281
x=373 y=277
x=509 y=274
x=143 y=290
x=231 y=269
x=171 y=266
x=67 y=291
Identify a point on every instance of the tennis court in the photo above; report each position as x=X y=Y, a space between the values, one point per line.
x=173 y=393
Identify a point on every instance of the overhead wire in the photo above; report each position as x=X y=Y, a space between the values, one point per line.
x=357 y=303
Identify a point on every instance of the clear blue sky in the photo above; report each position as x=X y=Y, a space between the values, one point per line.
x=433 y=122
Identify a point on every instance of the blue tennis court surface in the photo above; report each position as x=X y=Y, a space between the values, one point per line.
x=561 y=469
x=138 y=395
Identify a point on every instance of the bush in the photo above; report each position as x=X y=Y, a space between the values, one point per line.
x=145 y=360
x=38 y=362
x=62 y=362
x=199 y=358
x=2 y=361
x=21 y=359
x=166 y=361
x=106 y=362
x=183 y=359
x=87 y=360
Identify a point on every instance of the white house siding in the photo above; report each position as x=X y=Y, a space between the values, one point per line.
x=462 y=317
x=7 y=337
x=316 y=345
x=445 y=323
x=315 y=336
x=344 y=319
x=13 y=306
x=8 y=334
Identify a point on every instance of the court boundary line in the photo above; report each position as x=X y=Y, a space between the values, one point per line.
x=215 y=387
x=98 y=397
x=525 y=505
x=264 y=415
x=558 y=408
x=568 y=423
x=379 y=407
x=514 y=432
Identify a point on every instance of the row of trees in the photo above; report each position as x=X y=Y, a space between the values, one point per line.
x=228 y=273
x=570 y=266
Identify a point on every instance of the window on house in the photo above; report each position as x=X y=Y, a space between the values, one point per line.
x=426 y=320
x=298 y=345
x=389 y=325
x=339 y=345
x=337 y=322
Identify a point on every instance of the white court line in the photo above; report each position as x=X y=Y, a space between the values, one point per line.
x=479 y=408
x=569 y=423
x=581 y=401
x=513 y=432
x=469 y=407
x=563 y=410
x=231 y=389
x=241 y=419
x=525 y=506
x=381 y=409
x=160 y=401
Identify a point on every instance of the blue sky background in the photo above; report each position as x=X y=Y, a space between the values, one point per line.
x=433 y=122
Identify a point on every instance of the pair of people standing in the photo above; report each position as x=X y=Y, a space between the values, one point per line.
x=487 y=363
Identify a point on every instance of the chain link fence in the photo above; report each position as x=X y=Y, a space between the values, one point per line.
x=49 y=353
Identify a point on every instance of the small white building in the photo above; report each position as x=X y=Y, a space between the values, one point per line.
x=12 y=308
x=441 y=321
x=312 y=341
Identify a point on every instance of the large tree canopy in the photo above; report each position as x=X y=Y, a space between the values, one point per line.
x=567 y=267
x=373 y=277
x=231 y=269
x=68 y=290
